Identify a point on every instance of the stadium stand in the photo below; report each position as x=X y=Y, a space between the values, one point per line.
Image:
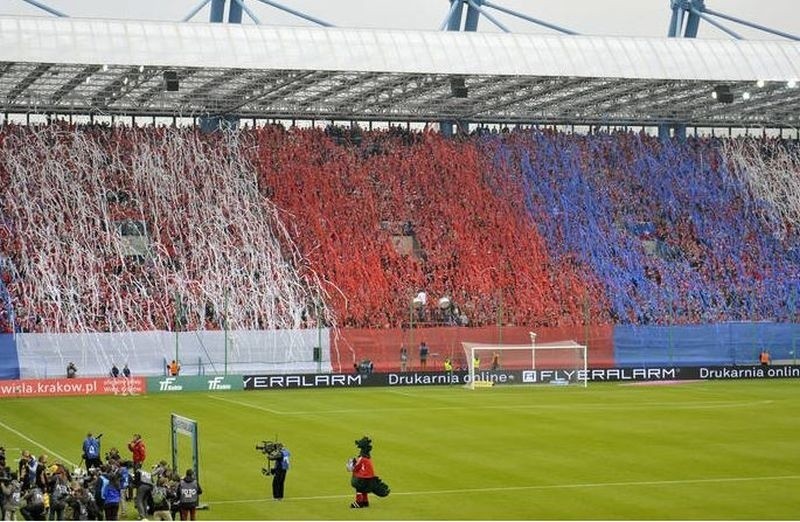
x=117 y=229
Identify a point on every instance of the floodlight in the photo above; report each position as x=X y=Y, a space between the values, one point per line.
x=745 y=95
x=760 y=84
x=722 y=93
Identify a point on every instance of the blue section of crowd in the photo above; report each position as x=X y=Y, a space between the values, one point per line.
x=669 y=232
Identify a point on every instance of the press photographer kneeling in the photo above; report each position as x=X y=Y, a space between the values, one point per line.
x=278 y=459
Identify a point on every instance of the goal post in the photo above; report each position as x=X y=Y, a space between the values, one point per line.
x=563 y=362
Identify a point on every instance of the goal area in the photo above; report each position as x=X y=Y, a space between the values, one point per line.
x=560 y=362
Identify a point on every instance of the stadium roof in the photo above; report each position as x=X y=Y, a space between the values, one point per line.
x=91 y=66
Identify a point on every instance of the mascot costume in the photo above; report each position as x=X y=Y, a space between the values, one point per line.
x=364 y=480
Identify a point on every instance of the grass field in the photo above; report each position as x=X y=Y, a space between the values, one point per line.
x=710 y=450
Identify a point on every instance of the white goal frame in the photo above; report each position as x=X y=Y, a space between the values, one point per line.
x=470 y=348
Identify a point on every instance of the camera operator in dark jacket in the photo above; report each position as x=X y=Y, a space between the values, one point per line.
x=280 y=465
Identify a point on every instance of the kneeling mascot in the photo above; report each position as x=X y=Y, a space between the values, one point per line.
x=364 y=480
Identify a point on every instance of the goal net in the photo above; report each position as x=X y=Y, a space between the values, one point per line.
x=561 y=362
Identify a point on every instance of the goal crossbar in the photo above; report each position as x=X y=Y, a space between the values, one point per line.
x=567 y=354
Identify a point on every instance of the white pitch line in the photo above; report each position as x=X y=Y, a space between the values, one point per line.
x=532 y=407
x=247 y=404
x=48 y=450
x=533 y=488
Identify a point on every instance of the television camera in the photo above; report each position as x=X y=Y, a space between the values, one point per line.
x=272 y=451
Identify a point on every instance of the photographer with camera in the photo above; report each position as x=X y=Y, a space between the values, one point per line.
x=278 y=457
x=189 y=492
x=143 y=482
x=10 y=490
x=91 y=451
x=137 y=449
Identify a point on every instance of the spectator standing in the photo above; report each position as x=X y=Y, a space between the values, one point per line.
x=495 y=361
x=72 y=370
x=137 y=448
x=189 y=493
x=126 y=372
x=423 y=355
x=114 y=371
x=403 y=358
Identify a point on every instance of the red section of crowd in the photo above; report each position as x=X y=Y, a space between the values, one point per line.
x=477 y=247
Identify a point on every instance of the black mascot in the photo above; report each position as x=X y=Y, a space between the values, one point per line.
x=364 y=480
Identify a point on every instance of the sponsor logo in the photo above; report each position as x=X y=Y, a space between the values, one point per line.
x=217 y=383
x=321 y=380
x=169 y=384
x=601 y=374
x=80 y=386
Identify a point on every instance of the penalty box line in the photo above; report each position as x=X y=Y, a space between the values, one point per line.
x=533 y=488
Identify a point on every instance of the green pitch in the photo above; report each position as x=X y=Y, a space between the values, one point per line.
x=711 y=450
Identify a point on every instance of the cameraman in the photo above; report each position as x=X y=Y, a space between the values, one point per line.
x=280 y=459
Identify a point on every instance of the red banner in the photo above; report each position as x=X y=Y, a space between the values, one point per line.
x=83 y=386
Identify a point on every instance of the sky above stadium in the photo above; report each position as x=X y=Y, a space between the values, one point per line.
x=597 y=17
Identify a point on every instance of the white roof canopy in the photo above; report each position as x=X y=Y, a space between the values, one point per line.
x=116 y=66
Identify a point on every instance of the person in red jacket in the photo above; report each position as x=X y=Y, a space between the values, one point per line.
x=138 y=449
x=364 y=480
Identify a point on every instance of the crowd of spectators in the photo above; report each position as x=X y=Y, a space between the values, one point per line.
x=212 y=248
x=712 y=248
x=281 y=228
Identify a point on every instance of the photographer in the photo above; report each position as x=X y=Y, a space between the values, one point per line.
x=59 y=491
x=189 y=496
x=10 y=493
x=137 y=449
x=144 y=488
x=91 y=451
x=110 y=491
x=34 y=508
x=280 y=465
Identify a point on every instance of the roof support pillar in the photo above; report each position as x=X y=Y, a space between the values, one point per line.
x=473 y=15
x=235 y=13
x=456 y=12
x=210 y=124
x=217 y=15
